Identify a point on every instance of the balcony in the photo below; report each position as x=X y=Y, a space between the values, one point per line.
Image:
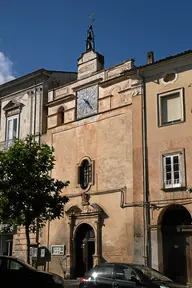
x=4 y=146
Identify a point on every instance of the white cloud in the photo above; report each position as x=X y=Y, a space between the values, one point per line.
x=6 y=73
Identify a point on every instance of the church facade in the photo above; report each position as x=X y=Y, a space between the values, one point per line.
x=91 y=125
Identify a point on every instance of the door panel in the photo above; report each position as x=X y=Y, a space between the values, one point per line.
x=123 y=274
x=105 y=276
x=104 y=282
x=174 y=252
x=189 y=256
x=124 y=283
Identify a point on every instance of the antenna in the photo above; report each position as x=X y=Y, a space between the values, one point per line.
x=91 y=18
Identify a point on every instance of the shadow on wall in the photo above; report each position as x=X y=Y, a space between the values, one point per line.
x=63 y=265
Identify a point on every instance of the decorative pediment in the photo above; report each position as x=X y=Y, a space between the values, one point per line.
x=13 y=107
x=97 y=208
x=86 y=209
x=73 y=210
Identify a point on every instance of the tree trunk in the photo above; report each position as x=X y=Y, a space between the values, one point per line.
x=28 y=243
x=37 y=242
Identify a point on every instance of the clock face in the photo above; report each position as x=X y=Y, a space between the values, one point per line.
x=87 y=101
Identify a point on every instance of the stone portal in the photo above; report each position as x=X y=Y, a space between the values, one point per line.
x=84 y=245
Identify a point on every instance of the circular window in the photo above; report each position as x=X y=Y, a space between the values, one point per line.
x=169 y=77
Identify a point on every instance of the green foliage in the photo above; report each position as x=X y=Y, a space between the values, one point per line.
x=27 y=191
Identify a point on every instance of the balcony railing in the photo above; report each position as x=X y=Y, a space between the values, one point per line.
x=4 y=146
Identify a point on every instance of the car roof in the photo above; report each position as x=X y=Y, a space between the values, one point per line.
x=122 y=263
x=9 y=257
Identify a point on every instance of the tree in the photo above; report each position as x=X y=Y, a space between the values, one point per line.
x=27 y=191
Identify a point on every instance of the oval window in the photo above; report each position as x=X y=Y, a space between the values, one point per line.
x=84 y=174
x=169 y=77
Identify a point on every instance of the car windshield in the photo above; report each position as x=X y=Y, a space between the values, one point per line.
x=152 y=274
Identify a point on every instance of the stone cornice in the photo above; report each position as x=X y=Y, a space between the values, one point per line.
x=87 y=84
x=63 y=99
x=118 y=78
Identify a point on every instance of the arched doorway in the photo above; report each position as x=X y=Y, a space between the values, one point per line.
x=84 y=249
x=174 y=242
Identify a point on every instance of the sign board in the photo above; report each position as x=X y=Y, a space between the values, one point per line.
x=57 y=250
x=42 y=252
x=33 y=252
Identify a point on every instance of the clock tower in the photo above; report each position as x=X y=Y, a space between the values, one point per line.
x=90 y=126
x=89 y=64
x=90 y=61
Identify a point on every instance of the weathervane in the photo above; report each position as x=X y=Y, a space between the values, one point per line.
x=90 y=42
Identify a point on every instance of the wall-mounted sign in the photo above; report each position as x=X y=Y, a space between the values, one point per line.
x=34 y=251
x=57 y=250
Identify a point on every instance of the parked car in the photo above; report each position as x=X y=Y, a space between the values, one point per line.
x=16 y=273
x=119 y=275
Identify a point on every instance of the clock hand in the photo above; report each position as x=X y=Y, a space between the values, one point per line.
x=86 y=101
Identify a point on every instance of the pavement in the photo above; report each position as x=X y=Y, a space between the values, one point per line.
x=71 y=283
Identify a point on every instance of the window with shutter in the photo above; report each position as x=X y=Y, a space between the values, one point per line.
x=12 y=131
x=12 y=127
x=172 y=170
x=85 y=174
x=170 y=107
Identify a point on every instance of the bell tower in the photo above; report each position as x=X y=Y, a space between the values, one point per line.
x=90 y=61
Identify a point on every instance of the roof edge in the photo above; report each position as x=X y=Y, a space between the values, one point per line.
x=31 y=75
x=165 y=59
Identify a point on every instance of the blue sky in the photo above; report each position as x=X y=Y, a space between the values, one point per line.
x=51 y=34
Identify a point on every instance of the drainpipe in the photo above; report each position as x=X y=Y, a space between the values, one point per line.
x=34 y=131
x=49 y=221
x=35 y=106
x=31 y=113
x=146 y=208
x=40 y=113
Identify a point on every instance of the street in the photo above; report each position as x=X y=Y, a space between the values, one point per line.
x=71 y=283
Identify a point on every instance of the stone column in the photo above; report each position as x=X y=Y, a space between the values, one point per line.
x=39 y=101
x=69 y=256
x=97 y=255
x=154 y=247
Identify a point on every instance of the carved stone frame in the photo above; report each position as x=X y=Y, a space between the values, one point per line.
x=91 y=215
x=11 y=109
x=91 y=162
